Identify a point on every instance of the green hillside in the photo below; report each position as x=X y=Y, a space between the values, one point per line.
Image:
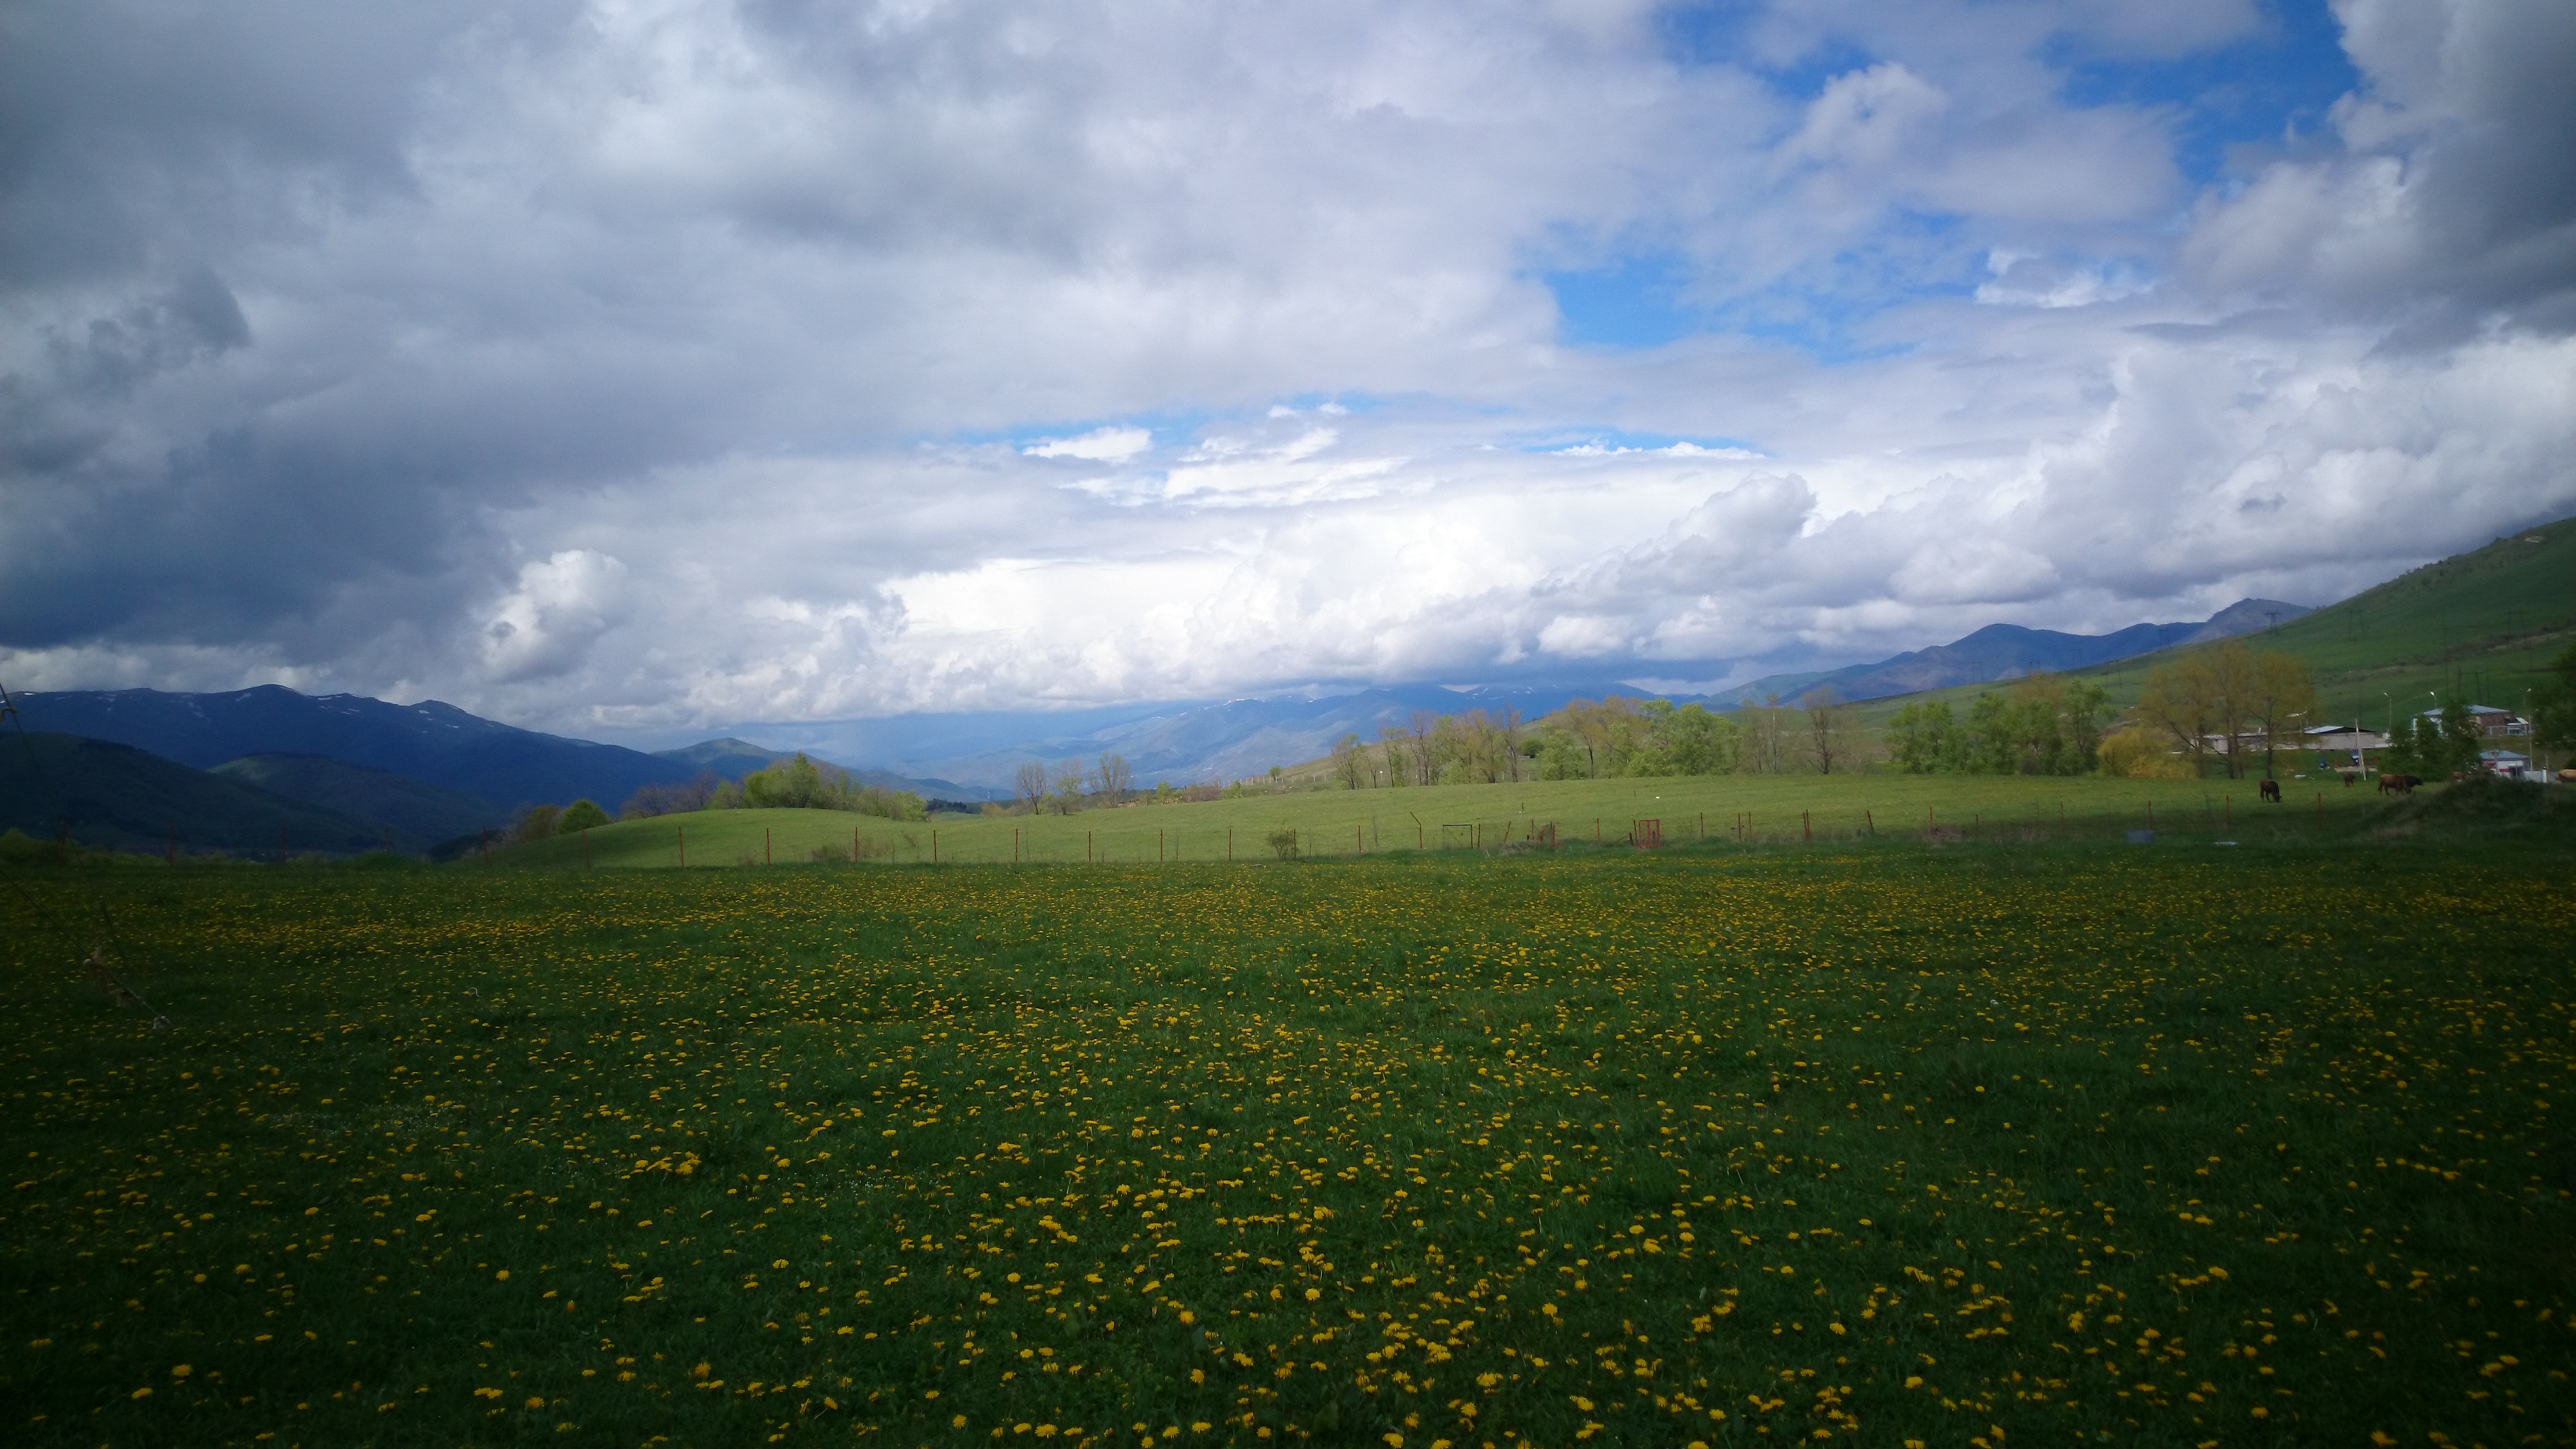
x=117 y=797
x=2483 y=624
x=418 y=814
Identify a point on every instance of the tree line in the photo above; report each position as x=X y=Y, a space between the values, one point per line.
x=798 y=783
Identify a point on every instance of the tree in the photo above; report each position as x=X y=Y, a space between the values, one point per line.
x=1829 y=728
x=537 y=822
x=1350 y=762
x=2228 y=694
x=1029 y=787
x=1390 y=739
x=2180 y=699
x=1069 y=779
x=1771 y=744
x=796 y=783
x=2281 y=698
x=1114 y=777
x=651 y=800
x=1924 y=739
x=580 y=815
x=1511 y=723
x=1420 y=728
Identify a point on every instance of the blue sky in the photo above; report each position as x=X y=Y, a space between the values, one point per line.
x=640 y=369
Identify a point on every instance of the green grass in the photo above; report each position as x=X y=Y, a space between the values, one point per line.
x=2004 y=1139
x=1691 y=810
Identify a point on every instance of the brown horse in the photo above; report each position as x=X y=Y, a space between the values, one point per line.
x=2269 y=790
x=2399 y=784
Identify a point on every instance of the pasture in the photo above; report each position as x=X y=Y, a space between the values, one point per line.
x=1719 y=810
x=1997 y=1141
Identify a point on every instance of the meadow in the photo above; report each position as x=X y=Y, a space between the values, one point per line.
x=1975 y=1142
x=1717 y=810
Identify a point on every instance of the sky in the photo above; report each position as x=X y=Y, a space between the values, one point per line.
x=630 y=368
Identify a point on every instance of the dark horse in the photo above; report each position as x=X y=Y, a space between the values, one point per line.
x=2270 y=790
x=2399 y=784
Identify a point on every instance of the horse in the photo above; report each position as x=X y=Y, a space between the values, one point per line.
x=2269 y=790
x=2399 y=784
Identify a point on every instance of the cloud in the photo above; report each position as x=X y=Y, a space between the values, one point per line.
x=2445 y=197
x=1110 y=444
x=612 y=366
x=545 y=626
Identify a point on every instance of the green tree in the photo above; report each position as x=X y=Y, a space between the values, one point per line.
x=1350 y=762
x=1924 y=738
x=582 y=814
x=2281 y=699
x=537 y=822
x=1830 y=728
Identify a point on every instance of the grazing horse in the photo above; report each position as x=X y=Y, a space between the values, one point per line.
x=2270 y=790
x=2399 y=784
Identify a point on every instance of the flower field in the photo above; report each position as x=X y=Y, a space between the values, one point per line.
x=1977 y=1145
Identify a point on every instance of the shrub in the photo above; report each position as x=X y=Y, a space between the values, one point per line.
x=2141 y=754
x=1283 y=843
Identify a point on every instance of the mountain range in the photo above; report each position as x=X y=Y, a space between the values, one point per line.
x=2008 y=651
x=1243 y=737
x=343 y=771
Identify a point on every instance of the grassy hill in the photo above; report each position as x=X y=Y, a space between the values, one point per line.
x=117 y=797
x=2483 y=624
x=419 y=814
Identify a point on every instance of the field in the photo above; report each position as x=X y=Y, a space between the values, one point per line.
x=1980 y=1142
x=1722 y=809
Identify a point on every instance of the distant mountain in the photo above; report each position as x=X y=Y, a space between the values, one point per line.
x=2008 y=651
x=430 y=741
x=2245 y=616
x=728 y=757
x=419 y=814
x=1245 y=737
x=122 y=798
x=733 y=759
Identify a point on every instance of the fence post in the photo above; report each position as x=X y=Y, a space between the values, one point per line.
x=1086 y=847
x=684 y=847
x=934 y=847
x=1229 y=845
x=764 y=845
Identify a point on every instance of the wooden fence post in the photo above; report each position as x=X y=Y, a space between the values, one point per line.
x=684 y=847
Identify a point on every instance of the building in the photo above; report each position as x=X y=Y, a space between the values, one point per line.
x=2348 y=740
x=2491 y=720
x=2507 y=763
